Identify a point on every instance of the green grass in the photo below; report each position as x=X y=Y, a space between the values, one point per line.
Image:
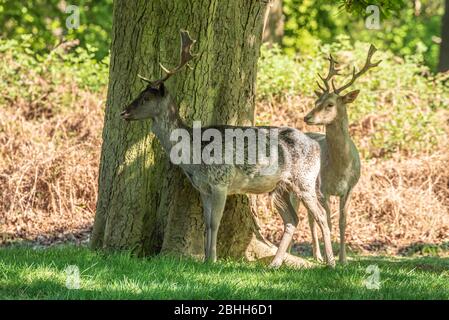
x=27 y=273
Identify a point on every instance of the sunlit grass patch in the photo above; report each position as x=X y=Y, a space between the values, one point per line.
x=26 y=273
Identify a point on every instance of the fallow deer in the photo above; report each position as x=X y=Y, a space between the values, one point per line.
x=296 y=171
x=340 y=161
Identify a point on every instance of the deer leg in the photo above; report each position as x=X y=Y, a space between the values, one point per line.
x=207 y=214
x=290 y=219
x=344 y=207
x=315 y=242
x=293 y=207
x=313 y=205
x=313 y=228
x=324 y=200
x=218 y=201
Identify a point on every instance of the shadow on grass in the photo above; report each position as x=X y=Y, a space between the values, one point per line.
x=54 y=236
x=40 y=274
x=380 y=247
x=422 y=248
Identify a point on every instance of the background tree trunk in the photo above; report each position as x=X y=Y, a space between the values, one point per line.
x=274 y=29
x=444 y=50
x=145 y=203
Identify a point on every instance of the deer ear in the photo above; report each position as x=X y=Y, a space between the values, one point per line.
x=317 y=93
x=351 y=96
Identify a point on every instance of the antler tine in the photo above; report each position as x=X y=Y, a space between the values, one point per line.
x=144 y=79
x=333 y=71
x=320 y=86
x=333 y=84
x=355 y=75
x=185 y=55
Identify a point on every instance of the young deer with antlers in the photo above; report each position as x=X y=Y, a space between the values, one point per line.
x=340 y=162
x=297 y=159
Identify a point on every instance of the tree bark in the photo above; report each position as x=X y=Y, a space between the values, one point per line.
x=444 y=49
x=145 y=203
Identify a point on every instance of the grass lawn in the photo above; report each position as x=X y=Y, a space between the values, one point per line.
x=27 y=273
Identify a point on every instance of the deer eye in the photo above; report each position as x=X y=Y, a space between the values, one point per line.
x=330 y=105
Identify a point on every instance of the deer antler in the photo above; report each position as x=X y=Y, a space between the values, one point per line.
x=332 y=72
x=185 y=56
x=355 y=75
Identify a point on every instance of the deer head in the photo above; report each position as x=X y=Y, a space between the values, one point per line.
x=153 y=99
x=331 y=104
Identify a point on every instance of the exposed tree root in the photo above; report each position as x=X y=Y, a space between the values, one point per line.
x=263 y=250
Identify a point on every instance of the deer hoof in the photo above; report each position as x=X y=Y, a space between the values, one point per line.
x=275 y=264
x=331 y=263
x=318 y=258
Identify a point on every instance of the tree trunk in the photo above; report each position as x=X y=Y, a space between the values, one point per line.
x=444 y=50
x=145 y=203
x=274 y=28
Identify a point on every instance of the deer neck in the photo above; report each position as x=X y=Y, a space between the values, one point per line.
x=164 y=124
x=339 y=143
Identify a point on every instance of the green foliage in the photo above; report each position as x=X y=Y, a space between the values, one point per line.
x=309 y=23
x=387 y=7
x=404 y=101
x=407 y=34
x=46 y=21
x=280 y=75
x=40 y=274
x=29 y=75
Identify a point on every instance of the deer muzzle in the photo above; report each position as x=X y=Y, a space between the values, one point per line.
x=309 y=119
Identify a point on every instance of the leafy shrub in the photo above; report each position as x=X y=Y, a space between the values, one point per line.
x=404 y=30
x=30 y=76
x=46 y=21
